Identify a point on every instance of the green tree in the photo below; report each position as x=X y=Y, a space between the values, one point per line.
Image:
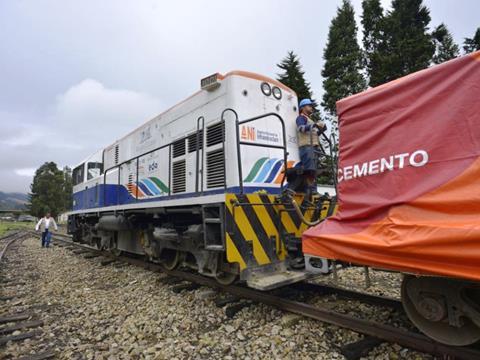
x=47 y=191
x=408 y=46
x=329 y=163
x=472 y=44
x=342 y=74
x=373 y=39
x=293 y=76
x=445 y=47
x=343 y=59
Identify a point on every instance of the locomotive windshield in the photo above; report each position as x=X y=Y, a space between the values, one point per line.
x=77 y=175
x=94 y=169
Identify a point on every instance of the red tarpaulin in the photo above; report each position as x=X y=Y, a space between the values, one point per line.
x=409 y=172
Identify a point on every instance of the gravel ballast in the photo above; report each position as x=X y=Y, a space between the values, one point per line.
x=92 y=311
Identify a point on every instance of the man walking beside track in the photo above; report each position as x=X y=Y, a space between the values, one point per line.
x=45 y=224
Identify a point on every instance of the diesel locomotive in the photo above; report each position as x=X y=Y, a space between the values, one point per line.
x=201 y=185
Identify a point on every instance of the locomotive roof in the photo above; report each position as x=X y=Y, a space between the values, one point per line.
x=241 y=73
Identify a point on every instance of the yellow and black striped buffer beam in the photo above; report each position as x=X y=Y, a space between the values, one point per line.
x=257 y=224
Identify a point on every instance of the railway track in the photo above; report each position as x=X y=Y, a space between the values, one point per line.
x=17 y=324
x=319 y=289
x=8 y=240
x=375 y=332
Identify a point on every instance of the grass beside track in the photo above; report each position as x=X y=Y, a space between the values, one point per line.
x=6 y=226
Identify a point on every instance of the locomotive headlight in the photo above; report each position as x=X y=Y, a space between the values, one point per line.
x=277 y=93
x=266 y=89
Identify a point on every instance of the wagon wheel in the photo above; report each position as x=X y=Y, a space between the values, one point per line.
x=443 y=309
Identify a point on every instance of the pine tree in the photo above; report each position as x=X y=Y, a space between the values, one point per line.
x=472 y=44
x=373 y=39
x=408 y=45
x=293 y=76
x=343 y=59
x=445 y=47
x=47 y=191
x=342 y=73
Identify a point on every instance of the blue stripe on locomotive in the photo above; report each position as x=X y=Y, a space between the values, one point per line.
x=265 y=171
x=273 y=173
x=144 y=188
x=112 y=194
x=101 y=195
x=151 y=186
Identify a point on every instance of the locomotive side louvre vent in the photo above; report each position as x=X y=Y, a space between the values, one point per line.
x=117 y=151
x=215 y=134
x=130 y=183
x=215 y=169
x=192 y=142
x=179 y=148
x=179 y=179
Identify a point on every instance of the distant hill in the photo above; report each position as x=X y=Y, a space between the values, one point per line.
x=13 y=201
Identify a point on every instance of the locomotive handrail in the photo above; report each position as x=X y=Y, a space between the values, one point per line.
x=222 y=118
x=282 y=147
x=136 y=179
x=239 y=142
x=333 y=140
x=202 y=131
x=202 y=119
x=330 y=155
x=136 y=158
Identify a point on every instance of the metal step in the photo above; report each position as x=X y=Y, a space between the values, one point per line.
x=215 y=247
x=213 y=220
x=274 y=280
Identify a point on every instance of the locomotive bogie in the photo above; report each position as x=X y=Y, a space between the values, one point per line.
x=249 y=236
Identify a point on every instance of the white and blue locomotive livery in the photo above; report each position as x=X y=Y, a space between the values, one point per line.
x=200 y=185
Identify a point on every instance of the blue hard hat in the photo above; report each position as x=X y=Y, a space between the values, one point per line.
x=305 y=102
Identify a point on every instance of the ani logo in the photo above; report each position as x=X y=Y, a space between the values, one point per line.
x=248 y=133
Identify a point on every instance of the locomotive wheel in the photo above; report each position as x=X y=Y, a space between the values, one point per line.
x=169 y=259
x=116 y=252
x=445 y=310
x=225 y=278
x=227 y=273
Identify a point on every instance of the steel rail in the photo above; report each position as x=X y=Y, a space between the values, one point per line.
x=320 y=289
x=380 y=331
x=343 y=293
x=16 y=236
x=3 y=238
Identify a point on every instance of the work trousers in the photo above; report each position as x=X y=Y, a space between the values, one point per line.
x=46 y=235
x=309 y=160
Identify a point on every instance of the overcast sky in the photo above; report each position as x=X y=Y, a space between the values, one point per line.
x=75 y=76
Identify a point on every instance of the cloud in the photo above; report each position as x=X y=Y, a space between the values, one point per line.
x=84 y=118
x=93 y=115
x=29 y=172
x=77 y=75
x=17 y=130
